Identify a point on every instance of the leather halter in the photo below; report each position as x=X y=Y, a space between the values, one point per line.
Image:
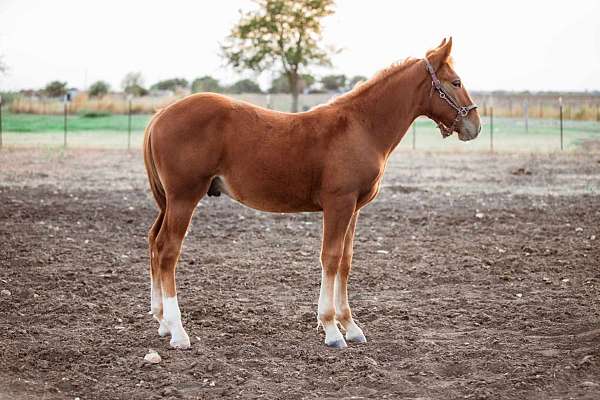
x=461 y=111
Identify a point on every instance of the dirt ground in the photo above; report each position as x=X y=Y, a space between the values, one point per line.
x=476 y=276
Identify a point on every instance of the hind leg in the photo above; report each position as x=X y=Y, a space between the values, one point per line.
x=168 y=243
x=156 y=306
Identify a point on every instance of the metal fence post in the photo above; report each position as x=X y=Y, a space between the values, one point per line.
x=66 y=105
x=0 y=122
x=129 y=126
x=491 y=128
x=526 y=114
x=560 y=109
x=414 y=132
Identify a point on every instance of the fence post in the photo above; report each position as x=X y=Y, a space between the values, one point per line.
x=129 y=125
x=526 y=114
x=0 y=122
x=414 y=132
x=66 y=105
x=560 y=108
x=491 y=128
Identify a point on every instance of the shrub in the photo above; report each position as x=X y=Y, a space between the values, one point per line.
x=94 y=113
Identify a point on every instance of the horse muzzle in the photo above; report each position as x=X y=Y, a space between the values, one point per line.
x=469 y=130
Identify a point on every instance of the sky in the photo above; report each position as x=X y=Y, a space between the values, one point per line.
x=500 y=45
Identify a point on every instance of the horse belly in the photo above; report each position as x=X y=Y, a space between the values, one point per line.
x=282 y=194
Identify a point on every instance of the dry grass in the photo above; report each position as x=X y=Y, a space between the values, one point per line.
x=575 y=107
x=113 y=104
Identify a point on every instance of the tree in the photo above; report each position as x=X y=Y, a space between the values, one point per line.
x=170 y=84
x=286 y=33
x=3 y=66
x=98 y=89
x=133 y=84
x=354 y=80
x=206 y=84
x=56 y=89
x=334 y=83
x=244 y=86
x=281 y=84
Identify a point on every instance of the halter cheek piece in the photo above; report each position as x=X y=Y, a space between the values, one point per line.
x=461 y=111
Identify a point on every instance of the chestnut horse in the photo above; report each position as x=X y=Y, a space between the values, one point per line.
x=328 y=159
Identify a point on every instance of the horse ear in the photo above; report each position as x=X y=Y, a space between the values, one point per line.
x=441 y=54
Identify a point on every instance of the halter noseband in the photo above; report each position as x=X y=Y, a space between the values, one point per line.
x=461 y=111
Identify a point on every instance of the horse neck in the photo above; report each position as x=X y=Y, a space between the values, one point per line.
x=389 y=106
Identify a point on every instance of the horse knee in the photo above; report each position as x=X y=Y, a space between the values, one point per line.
x=331 y=262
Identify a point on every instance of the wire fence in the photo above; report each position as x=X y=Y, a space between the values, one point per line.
x=503 y=134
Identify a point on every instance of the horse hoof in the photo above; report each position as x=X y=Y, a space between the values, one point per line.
x=337 y=344
x=181 y=343
x=357 y=338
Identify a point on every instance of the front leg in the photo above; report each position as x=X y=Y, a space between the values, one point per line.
x=337 y=215
x=343 y=313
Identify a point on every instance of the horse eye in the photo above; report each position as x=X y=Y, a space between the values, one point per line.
x=456 y=83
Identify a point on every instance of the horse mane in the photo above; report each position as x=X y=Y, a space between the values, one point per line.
x=363 y=86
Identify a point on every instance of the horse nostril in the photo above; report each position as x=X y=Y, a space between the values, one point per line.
x=479 y=129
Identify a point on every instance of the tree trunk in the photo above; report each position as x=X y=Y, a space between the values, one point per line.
x=295 y=102
x=294 y=88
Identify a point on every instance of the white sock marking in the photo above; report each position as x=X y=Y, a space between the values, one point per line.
x=172 y=318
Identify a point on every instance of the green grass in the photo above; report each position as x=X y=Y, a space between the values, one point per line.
x=510 y=135
x=55 y=123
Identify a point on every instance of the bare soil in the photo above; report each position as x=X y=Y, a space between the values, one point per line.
x=475 y=276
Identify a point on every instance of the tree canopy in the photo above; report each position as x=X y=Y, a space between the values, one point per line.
x=133 y=83
x=206 y=84
x=98 y=89
x=170 y=84
x=334 y=82
x=282 y=33
x=354 y=80
x=281 y=84
x=3 y=66
x=244 y=86
x=55 y=89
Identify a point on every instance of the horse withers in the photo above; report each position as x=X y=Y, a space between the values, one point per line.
x=328 y=159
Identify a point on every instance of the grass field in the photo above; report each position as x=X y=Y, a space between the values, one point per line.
x=510 y=134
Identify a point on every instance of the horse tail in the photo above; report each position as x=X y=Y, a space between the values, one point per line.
x=155 y=184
